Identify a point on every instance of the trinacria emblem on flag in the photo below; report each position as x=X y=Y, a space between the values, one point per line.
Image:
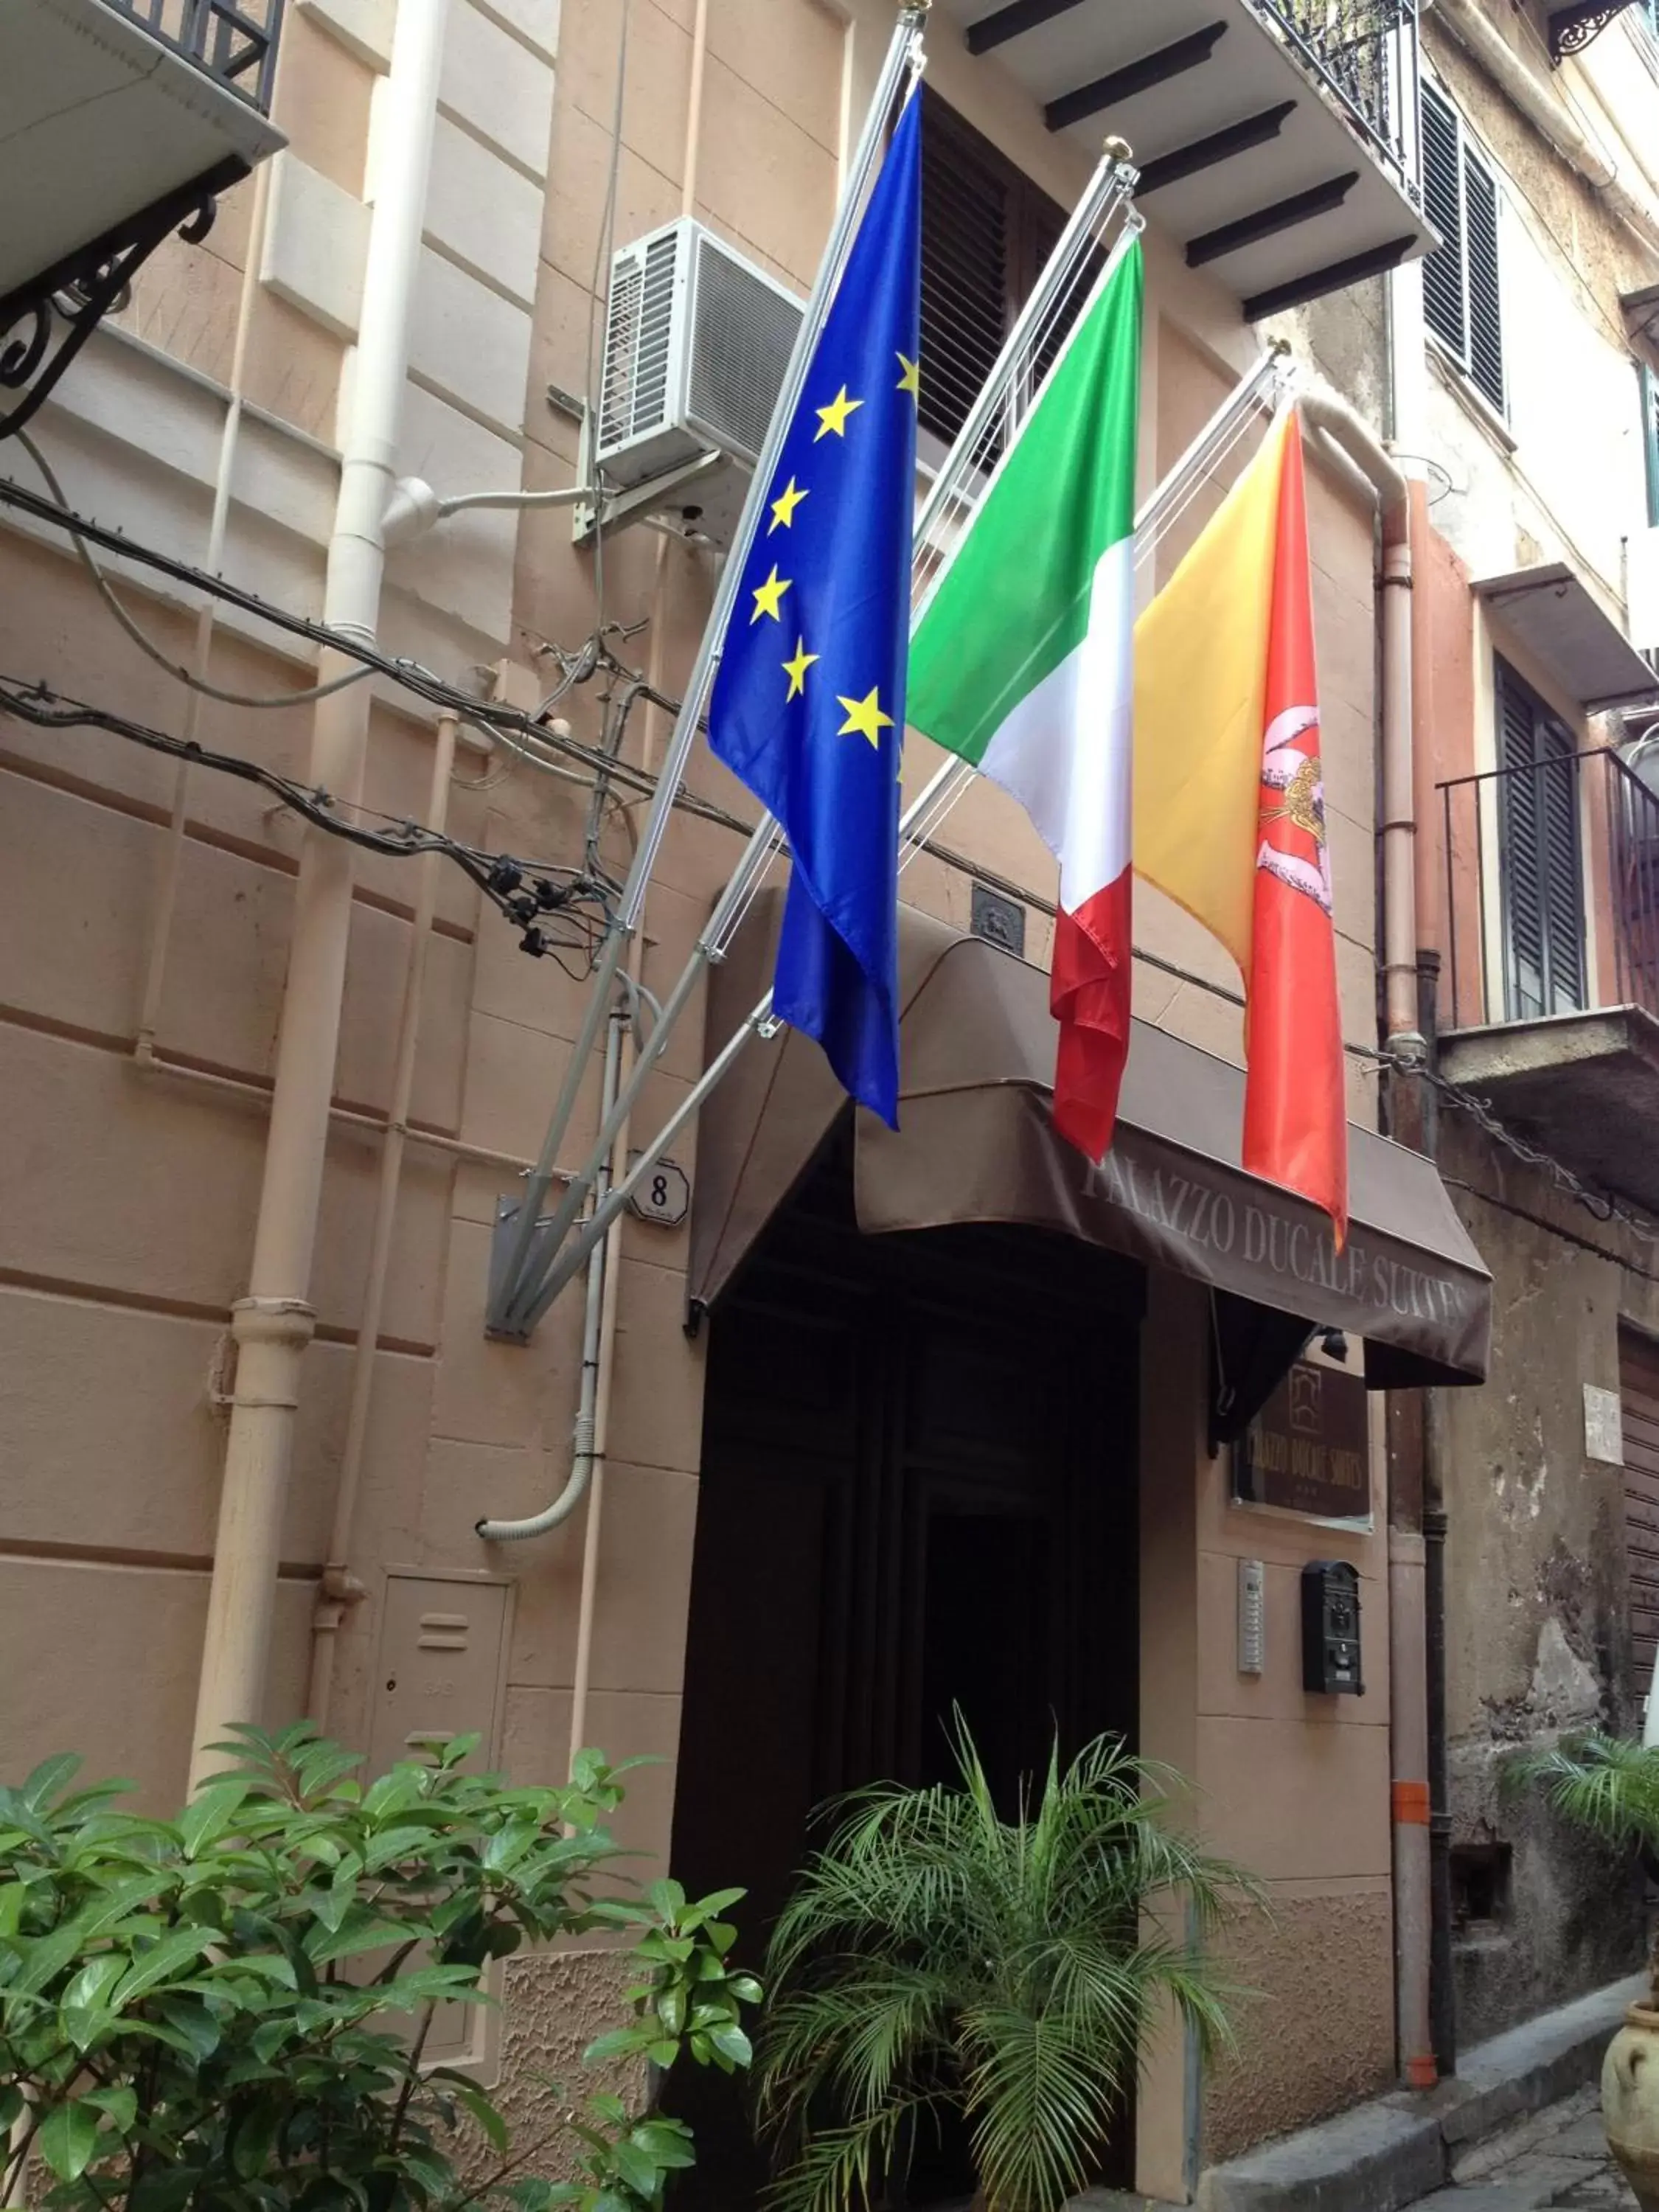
x=1293 y=807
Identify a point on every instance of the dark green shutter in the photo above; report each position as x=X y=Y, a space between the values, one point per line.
x=1542 y=859
x=1443 y=203
x=1480 y=257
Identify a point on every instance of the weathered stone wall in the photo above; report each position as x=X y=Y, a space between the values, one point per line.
x=1537 y=1637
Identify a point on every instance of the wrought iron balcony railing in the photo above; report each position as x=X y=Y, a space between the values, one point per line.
x=236 y=44
x=1365 y=53
x=1552 y=890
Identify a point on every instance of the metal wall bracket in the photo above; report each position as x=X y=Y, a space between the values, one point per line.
x=44 y=323
x=1572 y=28
x=501 y=1252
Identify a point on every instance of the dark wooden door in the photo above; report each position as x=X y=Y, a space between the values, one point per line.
x=918 y=1495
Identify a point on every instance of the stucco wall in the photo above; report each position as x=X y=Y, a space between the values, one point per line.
x=128 y=1198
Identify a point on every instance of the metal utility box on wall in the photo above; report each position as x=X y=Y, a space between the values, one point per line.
x=697 y=341
x=443 y=1639
x=442 y=1658
x=1330 y=1629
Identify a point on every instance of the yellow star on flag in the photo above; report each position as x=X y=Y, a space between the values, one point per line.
x=769 y=597
x=796 y=669
x=784 y=506
x=865 y=716
x=833 y=417
x=911 y=380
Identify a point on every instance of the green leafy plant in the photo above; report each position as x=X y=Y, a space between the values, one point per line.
x=936 y=1956
x=228 y=2010
x=1608 y=1785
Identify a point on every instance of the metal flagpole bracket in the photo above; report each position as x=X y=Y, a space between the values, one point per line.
x=1006 y=396
x=514 y=1284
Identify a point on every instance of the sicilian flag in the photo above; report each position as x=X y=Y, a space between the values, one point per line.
x=1021 y=664
x=1230 y=806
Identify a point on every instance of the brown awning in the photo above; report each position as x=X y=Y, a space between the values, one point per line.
x=977 y=1143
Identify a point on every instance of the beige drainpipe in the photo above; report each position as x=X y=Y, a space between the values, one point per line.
x=340 y=1589
x=272 y=1325
x=1333 y=420
x=587 y=1604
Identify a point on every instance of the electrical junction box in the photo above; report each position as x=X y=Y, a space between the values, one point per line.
x=1330 y=1629
x=697 y=343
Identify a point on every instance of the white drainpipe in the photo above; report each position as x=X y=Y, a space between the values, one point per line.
x=272 y=1325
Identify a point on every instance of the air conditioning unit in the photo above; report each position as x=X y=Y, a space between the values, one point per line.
x=697 y=341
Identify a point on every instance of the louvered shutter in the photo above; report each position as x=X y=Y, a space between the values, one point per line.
x=1480 y=261
x=1542 y=862
x=1650 y=433
x=965 y=249
x=1561 y=873
x=1443 y=203
x=987 y=230
x=1523 y=910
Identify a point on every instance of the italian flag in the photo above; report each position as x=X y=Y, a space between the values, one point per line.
x=1021 y=663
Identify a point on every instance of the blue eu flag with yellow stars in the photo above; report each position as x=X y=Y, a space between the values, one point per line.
x=808 y=705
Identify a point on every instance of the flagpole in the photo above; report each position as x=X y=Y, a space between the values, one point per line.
x=902 y=56
x=1176 y=487
x=525 y=1292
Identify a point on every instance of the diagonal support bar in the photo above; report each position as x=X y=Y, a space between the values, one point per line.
x=904 y=57
x=1255 y=389
x=531 y=1274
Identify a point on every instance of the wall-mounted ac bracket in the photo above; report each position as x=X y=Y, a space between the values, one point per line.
x=656 y=495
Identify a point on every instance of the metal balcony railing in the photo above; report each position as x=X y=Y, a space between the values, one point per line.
x=236 y=44
x=1365 y=53
x=1552 y=890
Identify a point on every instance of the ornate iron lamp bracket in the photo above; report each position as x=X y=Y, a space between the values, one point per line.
x=44 y=323
x=1572 y=28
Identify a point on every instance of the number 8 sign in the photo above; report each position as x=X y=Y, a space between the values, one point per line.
x=664 y=1195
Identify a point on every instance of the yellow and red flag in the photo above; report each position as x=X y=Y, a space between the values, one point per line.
x=1230 y=806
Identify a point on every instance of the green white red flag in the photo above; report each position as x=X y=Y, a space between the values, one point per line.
x=1022 y=665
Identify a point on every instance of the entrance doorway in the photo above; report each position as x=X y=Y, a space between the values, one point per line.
x=918 y=1494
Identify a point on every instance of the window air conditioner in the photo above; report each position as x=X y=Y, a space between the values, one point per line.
x=696 y=344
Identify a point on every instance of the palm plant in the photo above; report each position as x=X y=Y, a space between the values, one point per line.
x=935 y=1956
x=1608 y=1785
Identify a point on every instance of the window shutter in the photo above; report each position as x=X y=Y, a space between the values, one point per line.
x=987 y=230
x=1443 y=203
x=1481 y=254
x=1543 y=865
x=1562 y=875
x=965 y=247
x=1650 y=432
x=1523 y=910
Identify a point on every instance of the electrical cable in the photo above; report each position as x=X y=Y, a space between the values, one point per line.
x=147 y=645
x=539 y=898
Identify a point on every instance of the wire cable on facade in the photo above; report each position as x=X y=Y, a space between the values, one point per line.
x=557 y=909
x=147 y=645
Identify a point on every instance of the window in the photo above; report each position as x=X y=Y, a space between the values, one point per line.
x=1542 y=863
x=986 y=231
x=1650 y=383
x=1460 y=277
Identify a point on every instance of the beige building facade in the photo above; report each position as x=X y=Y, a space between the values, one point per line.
x=147 y=967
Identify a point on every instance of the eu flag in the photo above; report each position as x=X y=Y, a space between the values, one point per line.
x=808 y=705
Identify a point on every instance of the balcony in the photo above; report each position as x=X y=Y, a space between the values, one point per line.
x=120 y=121
x=1551 y=979
x=1276 y=139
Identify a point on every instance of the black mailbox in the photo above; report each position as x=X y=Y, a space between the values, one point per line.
x=1330 y=1629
